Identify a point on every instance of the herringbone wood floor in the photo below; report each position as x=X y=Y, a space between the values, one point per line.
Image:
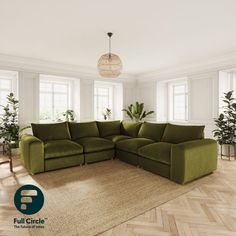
x=209 y=210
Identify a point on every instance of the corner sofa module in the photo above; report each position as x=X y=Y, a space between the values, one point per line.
x=182 y=155
x=177 y=152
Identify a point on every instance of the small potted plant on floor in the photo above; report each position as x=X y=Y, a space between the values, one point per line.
x=136 y=111
x=226 y=125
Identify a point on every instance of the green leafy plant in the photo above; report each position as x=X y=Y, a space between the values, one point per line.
x=136 y=111
x=107 y=114
x=226 y=122
x=9 y=128
x=69 y=115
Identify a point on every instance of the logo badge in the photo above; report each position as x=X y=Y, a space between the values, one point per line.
x=28 y=199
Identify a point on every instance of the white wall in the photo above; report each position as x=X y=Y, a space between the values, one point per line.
x=202 y=98
x=147 y=93
x=129 y=95
x=82 y=97
x=28 y=88
x=150 y=89
x=86 y=99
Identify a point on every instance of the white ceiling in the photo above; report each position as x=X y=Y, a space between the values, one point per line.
x=148 y=34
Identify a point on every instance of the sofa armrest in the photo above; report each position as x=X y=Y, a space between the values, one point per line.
x=193 y=159
x=32 y=153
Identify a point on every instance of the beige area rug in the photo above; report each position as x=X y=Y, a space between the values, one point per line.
x=91 y=199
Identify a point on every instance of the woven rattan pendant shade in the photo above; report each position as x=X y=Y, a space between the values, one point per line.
x=109 y=65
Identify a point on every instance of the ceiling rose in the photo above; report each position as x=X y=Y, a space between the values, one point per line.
x=109 y=64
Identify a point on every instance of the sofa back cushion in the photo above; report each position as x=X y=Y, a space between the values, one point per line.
x=108 y=128
x=83 y=129
x=55 y=131
x=152 y=131
x=130 y=128
x=182 y=133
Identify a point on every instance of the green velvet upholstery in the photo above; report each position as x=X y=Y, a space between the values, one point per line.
x=130 y=128
x=174 y=151
x=155 y=167
x=61 y=148
x=117 y=138
x=127 y=157
x=182 y=133
x=55 y=131
x=151 y=131
x=95 y=144
x=157 y=152
x=193 y=159
x=63 y=162
x=83 y=129
x=132 y=145
x=32 y=153
x=99 y=156
x=108 y=128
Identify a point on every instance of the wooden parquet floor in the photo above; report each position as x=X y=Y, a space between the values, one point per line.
x=209 y=210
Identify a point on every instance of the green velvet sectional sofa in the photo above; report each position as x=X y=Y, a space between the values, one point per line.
x=180 y=153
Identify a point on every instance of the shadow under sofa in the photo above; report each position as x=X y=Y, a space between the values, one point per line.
x=177 y=152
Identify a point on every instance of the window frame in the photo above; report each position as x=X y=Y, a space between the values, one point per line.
x=110 y=98
x=11 y=76
x=171 y=100
x=55 y=80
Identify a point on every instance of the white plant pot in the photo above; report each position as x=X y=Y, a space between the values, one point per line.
x=228 y=150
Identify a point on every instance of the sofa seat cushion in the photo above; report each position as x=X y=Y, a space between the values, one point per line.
x=157 y=152
x=95 y=144
x=61 y=148
x=132 y=145
x=117 y=138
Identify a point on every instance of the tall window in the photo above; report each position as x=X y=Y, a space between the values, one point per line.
x=102 y=99
x=54 y=98
x=7 y=84
x=227 y=82
x=178 y=102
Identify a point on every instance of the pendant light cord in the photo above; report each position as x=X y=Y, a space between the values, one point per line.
x=109 y=35
x=109 y=47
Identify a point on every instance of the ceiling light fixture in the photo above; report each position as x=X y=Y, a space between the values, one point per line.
x=109 y=64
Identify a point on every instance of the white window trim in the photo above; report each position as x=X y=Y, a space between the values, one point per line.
x=229 y=79
x=57 y=80
x=170 y=102
x=110 y=98
x=13 y=77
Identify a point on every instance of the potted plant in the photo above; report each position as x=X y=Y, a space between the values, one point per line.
x=107 y=114
x=136 y=111
x=69 y=115
x=9 y=127
x=226 y=124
